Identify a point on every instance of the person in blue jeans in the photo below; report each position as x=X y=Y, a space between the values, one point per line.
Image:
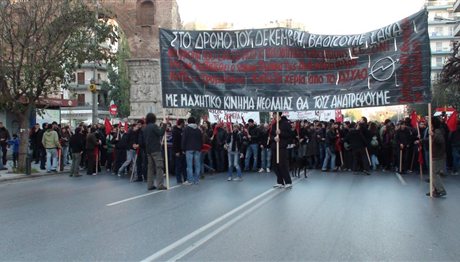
x=233 y=144
x=265 y=150
x=252 y=135
x=192 y=141
x=330 y=139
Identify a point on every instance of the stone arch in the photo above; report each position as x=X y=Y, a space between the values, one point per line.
x=145 y=13
x=139 y=20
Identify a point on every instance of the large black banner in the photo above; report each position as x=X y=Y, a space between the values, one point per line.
x=280 y=69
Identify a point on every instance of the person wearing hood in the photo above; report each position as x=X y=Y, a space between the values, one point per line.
x=192 y=141
x=51 y=143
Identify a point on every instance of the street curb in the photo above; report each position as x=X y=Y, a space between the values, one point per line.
x=32 y=176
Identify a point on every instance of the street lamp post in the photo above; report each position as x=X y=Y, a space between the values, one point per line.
x=94 y=94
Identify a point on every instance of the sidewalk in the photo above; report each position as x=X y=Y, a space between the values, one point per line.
x=8 y=175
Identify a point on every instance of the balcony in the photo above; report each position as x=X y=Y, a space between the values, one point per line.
x=102 y=66
x=457 y=6
x=436 y=67
x=457 y=30
x=441 y=52
x=439 y=36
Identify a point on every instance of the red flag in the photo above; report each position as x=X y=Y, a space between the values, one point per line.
x=338 y=144
x=422 y=119
x=338 y=116
x=452 y=121
x=297 y=127
x=108 y=126
x=271 y=125
x=414 y=119
x=214 y=132
x=96 y=152
x=126 y=127
x=420 y=154
x=229 y=123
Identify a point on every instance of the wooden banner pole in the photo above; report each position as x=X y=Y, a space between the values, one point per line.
x=420 y=151
x=430 y=149
x=166 y=151
x=400 y=159
x=277 y=142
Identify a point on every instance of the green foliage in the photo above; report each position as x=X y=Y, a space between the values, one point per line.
x=119 y=85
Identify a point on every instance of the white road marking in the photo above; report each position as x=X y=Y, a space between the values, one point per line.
x=221 y=228
x=195 y=233
x=401 y=179
x=139 y=196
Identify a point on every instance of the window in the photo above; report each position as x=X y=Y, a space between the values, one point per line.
x=81 y=78
x=145 y=13
x=438 y=61
x=81 y=99
x=438 y=46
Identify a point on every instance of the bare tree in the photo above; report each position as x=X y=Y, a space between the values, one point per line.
x=42 y=42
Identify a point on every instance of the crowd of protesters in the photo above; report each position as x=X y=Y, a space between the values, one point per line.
x=193 y=149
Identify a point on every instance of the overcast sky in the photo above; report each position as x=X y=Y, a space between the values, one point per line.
x=318 y=16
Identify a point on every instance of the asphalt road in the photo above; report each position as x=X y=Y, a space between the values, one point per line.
x=327 y=217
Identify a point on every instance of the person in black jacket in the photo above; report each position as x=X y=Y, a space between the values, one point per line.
x=266 y=152
x=77 y=146
x=358 y=143
x=92 y=142
x=252 y=151
x=192 y=141
x=330 y=140
x=131 y=148
x=454 y=138
x=41 y=148
x=152 y=135
x=35 y=144
x=179 y=156
x=217 y=144
x=121 y=145
x=234 y=141
x=282 y=136
x=403 y=140
x=142 y=161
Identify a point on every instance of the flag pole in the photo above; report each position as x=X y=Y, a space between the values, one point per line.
x=420 y=151
x=430 y=148
x=277 y=142
x=400 y=159
x=97 y=158
x=166 y=151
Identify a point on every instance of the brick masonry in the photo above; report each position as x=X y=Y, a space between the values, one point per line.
x=140 y=21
